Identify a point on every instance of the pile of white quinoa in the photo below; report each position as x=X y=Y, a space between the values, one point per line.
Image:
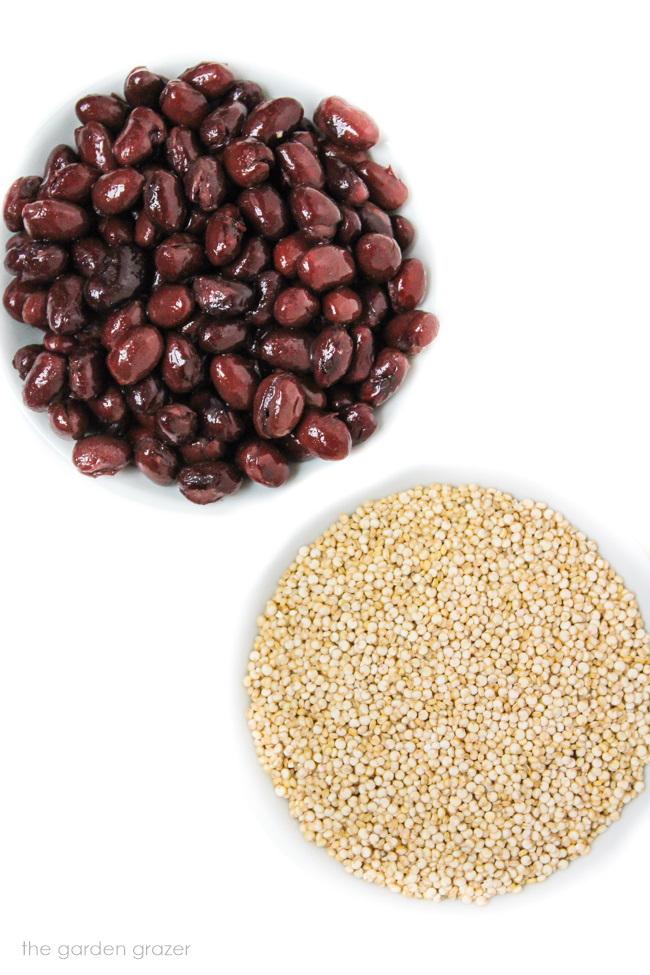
x=451 y=687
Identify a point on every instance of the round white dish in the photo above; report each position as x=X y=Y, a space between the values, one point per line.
x=60 y=129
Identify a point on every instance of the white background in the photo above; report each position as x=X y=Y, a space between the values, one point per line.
x=133 y=808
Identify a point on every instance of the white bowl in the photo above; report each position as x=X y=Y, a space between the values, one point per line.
x=131 y=483
x=628 y=559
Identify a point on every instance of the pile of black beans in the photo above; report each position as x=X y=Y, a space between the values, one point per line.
x=220 y=282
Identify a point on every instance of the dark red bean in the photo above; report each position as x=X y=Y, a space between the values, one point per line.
x=35 y=309
x=14 y=258
x=67 y=312
x=268 y=287
x=263 y=462
x=360 y=420
x=145 y=233
x=323 y=435
x=218 y=421
x=170 y=305
x=90 y=337
x=37 y=261
x=196 y=223
x=344 y=184
x=331 y=150
x=190 y=330
x=145 y=424
x=295 y=307
x=288 y=252
x=181 y=365
x=59 y=157
x=294 y=449
x=55 y=220
x=117 y=191
x=374 y=220
x=306 y=139
x=299 y=165
x=247 y=92
x=107 y=109
x=205 y=183
x=403 y=231
x=143 y=87
x=183 y=104
x=209 y=481
x=235 y=379
x=224 y=235
x=179 y=257
x=21 y=192
x=15 y=252
x=134 y=144
x=101 y=454
x=314 y=395
x=176 y=424
x=16 y=296
x=340 y=396
x=350 y=226
x=222 y=125
x=211 y=79
x=363 y=354
x=248 y=161
x=285 y=349
x=72 y=183
x=412 y=331
x=342 y=306
x=119 y=321
x=117 y=230
x=164 y=200
x=327 y=267
x=119 y=277
x=386 y=189
x=217 y=337
x=375 y=306
x=315 y=213
x=86 y=373
x=95 y=147
x=146 y=397
x=17 y=240
x=25 y=358
x=69 y=419
x=156 y=460
x=251 y=260
x=182 y=149
x=265 y=211
x=134 y=354
x=218 y=296
x=87 y=254
x=44 y=381
x=272 y=120
x=203 y=448
x=331 y=355
x=278 y=405
x=109 y=406
x=407 y=289
x=378 y=257
x=346 y=125
x=118 y=429
x=152 y=122
x=386 y=376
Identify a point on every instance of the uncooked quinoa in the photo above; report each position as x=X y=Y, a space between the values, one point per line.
x=451 y=687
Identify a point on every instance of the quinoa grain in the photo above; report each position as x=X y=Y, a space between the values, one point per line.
x=451 y=688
